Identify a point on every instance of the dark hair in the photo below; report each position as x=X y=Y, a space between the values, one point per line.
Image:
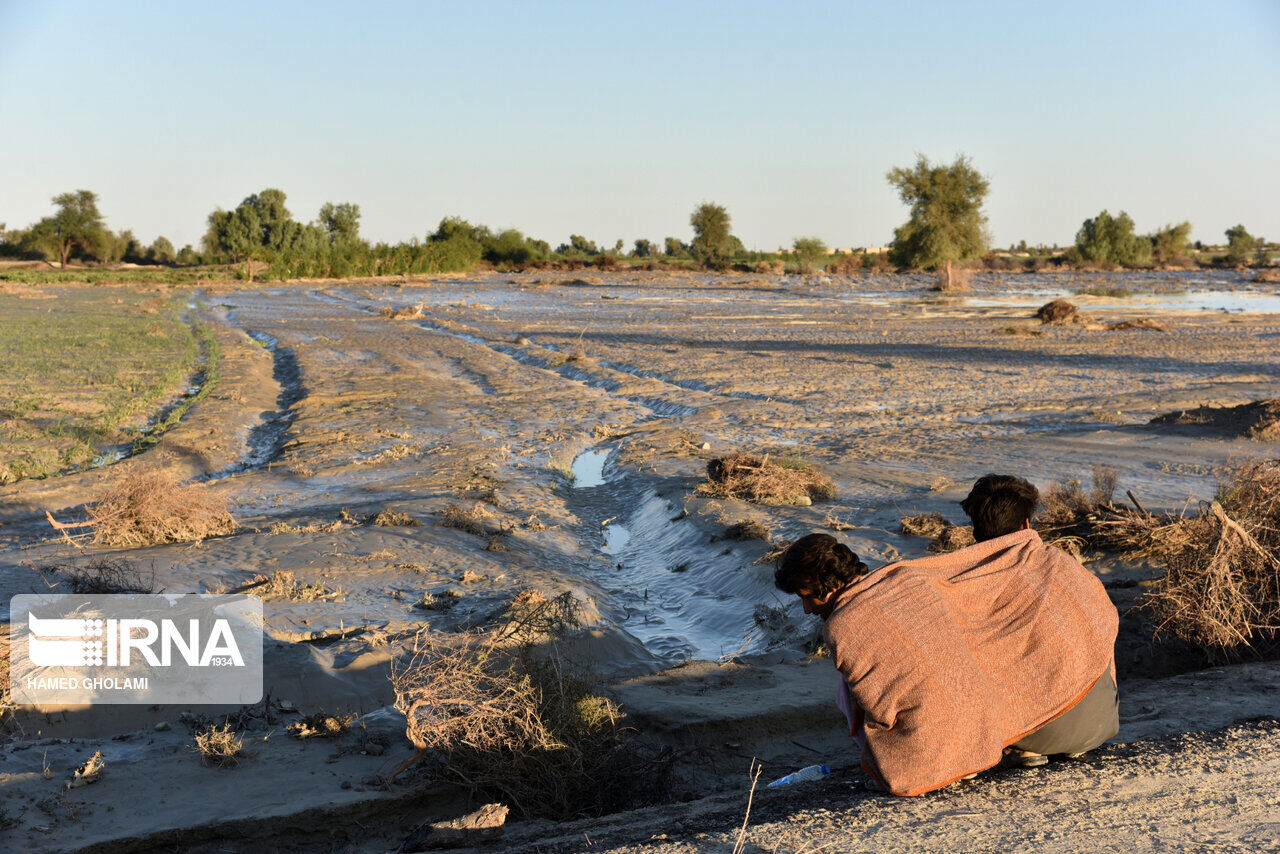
x=818 y=563
x=999 y=504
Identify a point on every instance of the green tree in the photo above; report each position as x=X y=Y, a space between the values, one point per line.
x=643 y=248
x=77 y=225
x=672 y=247
x=341 y=222
x=946 y=222
x=1170 y=242
x=578 y=246
x=1240 y=244
x=1111 y=240
x=712 y=244
x=161 y=250
x=808 y=251
x=237 y=235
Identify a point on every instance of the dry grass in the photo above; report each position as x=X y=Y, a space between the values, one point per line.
x=150 y=507
x=314 y=528
x=1059 y=312
x=1139 y=323
x=282 y=584
x=763 y=481
x=89 y=771
x=478 y=520
x=103 y=575
x=1221 y=587
x=952 y=538
x=1259 y=420
x=389 y=518
x=952 y=279
x=8 y=727
x=219 y=746
x=925 y=525
x=411 y=312
x=322 y=725
x=514 y=722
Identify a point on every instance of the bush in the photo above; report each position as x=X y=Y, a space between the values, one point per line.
x=150 y=507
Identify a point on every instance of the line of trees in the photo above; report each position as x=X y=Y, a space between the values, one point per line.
x=946 y=224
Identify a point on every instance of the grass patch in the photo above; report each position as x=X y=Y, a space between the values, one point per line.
x=81 y=368
x=151 y=507
x=104 y=575
x=98 y=276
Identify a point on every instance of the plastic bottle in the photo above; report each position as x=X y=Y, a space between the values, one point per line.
x=804 y=775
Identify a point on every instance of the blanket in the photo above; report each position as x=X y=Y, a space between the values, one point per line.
x=950 y=659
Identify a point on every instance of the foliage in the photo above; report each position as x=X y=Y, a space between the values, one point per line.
x=643 y=249
x=1170 y=242
x=1240 y=244
x=946 y=221
x=712 y=239
x=672 y=247
x=77 y=226
x=808 y=250
x=1110 y=240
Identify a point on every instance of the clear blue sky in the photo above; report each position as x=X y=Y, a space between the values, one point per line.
x=614 y=120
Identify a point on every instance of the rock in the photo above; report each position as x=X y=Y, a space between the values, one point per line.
x=706 y=446
x=162 y=726
x=482 y=825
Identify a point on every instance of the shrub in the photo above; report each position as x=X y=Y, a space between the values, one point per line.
x=150 y=507
x=764 y=481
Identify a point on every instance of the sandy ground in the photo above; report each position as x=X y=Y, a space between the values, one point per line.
x=488 y=400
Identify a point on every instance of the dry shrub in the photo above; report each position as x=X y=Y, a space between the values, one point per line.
x=478 y=520
x=747 y=529
x=282 y=584
x=925 y=525
x=843 y=265
x=1269 y=275
x=1221 y=587
x=1057 y=313
x=388 y=518
x=1259 y=420
x=412 y=312
x=1140 y=323
x=511 y=720
x=952 y=538
x=219 y=746
x=774 y=267
x=322 y=725
x=1021 y=330
x=762 y=481
x=313 y=528
x=150 y=507
x=104 y=575
x=837 y=524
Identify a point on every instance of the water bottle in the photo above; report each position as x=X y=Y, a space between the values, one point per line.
x=804 y=775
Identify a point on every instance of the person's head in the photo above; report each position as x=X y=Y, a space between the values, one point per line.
x=1000 y=504
x=815 y=568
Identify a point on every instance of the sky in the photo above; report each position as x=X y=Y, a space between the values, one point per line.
x=615 y=120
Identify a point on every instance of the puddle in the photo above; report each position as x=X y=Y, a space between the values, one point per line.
x=1203 y=300
x=616 y=538
x=588 y=468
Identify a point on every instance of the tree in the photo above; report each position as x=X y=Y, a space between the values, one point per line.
x=644 y=248
x=712 y=239
x=808 y=250
x=672 y=247
x=1110 y=240
x=1170 y=242
x=76 y=225
x=161 y=250
x=946 y=221
x=1240 y=244
x=341 y=222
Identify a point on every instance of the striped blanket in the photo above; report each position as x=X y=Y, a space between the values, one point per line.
x=950 y=659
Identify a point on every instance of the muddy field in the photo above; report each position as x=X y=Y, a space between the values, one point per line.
x=548 y=432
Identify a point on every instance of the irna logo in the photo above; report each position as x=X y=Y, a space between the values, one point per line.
x=61 y=642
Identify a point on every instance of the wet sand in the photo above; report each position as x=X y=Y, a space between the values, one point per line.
x=631 y=382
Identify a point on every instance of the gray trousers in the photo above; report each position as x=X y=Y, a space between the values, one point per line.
x=1082 y=727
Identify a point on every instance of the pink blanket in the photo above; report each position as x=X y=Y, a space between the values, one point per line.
x=950 y=659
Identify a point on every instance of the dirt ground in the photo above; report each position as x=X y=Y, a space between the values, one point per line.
x=572 y=416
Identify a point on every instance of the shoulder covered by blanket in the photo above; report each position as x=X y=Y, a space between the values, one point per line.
x=952 y=658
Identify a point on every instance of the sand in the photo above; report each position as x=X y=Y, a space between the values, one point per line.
x=902 y=398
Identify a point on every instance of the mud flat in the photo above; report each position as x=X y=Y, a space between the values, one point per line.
x=572 y=431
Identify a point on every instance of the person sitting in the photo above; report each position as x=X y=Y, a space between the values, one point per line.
x=947 y=660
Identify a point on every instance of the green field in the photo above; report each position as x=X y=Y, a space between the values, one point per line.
x=83 y=370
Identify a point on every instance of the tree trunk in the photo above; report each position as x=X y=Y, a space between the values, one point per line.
x=948 y=274
x=64 y=250
x=248 y=268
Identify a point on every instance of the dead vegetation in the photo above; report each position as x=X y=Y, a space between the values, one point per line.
x=951 y=279
x=1014 y=329
x=1221 y=586
x=389 y=518
x=1259 y=420
x=1138 y=323
x=780 y=481
x=410 y=312
x=504 y=715
x=219 y=746
x=478 y=520
x=945 y=536
x=152 y=506
x=103 y=575
x=282 y=584
x=1059 y=312
x=322 y=725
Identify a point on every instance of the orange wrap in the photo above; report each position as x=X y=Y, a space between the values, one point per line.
x=952 y=658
